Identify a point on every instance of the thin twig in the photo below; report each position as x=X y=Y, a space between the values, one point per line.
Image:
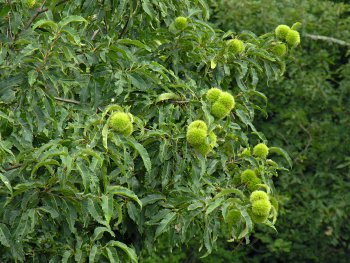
x=98 y=109
x=308 y=142
x=9 y=32
x=61 y=2
x=95 y=34
x=30 y=22
x=67 y=100
x=38 y=12
x=328 y=39
x=238 y=245
x=131 y=15
x=124 y=29
x=13 y=167
x=105 y=18
x=180 y=101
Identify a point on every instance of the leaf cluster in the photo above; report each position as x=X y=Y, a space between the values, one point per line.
x=74 y=189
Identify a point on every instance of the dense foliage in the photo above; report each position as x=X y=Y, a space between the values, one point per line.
x=310 y=118
x=110 y=138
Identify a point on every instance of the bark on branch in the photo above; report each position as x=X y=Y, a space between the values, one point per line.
x=328 y=39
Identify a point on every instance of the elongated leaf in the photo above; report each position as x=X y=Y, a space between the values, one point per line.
x=248 y=226
x=112 y=255
x=45 y=23
x=167 y=96
x=207 y=240
x=66 y=255
x=143 y=153
x=84 y=172
x=73 y=33
x=120 y=190
x=164 y=223
x=129 y=251
x=70 y=19
x=5 y=235
x=105 y=136
x=32 y=75
x=94 y=213
x=134 y=213
x=98 y=232
x=20 y=188
x=147 y=7
x=4 y=10
x=44 y=163
x=119 y=213
x=6 y=182
x=54 y=214
x=107 y=207
x=230 y=191
x=133 y=42
x=150 y=199
x=195 y=205
x=283 y=153
x=259 y=94
x=93 y=253
x=214 y=205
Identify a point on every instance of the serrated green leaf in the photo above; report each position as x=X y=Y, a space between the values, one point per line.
x=6 y=182
x=119 y=213
x=129 y=251
x=45 y=23
x=66 y=255
x=282 y=152
x=259 y=94
x=165 y=223
x=147 y=7
x=4 y=10
x=105 y=132
x=70 y=19
x=84 y=172
x=73 y=34
x=107 y=207
x=54 y=214
x=127 y=41
x=98 y=232
x=167 y=96
x=195 y=205
x=94 y=213
x=32 y=76
x=93 y=253
x=249 y=224
x=44 y=163
x=213 y=205
x=151 y=199
x=5 y=236
x=230 y=191
x=134 y=213
x=143 y=153
x=112 y=255
x=120 y=190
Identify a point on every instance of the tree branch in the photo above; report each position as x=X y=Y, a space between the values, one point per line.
x=13 y=167
x=328 y=39
x=67 y=100
x=31 y=20
x=38 y=12
x=131 y=15
x=61 y=2
x=124 y=28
